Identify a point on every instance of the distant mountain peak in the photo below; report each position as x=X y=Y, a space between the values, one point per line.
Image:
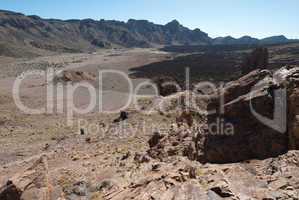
x=174 y=23
x=137 y=21
x=275 y=39
x=280 y=36
x=246 y=37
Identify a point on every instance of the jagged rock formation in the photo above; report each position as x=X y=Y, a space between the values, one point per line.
x=180 y=142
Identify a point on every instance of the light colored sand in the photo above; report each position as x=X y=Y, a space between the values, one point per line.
x=116 y=87
x=23 y=136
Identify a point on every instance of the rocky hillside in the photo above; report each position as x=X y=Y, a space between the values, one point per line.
x=33 y=32
x=184 y=160
x=22 y=35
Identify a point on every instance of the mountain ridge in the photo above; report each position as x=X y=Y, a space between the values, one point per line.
x=29 y=34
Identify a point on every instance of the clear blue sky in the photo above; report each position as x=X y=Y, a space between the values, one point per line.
x=258 y=18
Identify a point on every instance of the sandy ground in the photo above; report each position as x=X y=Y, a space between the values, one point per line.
x=25 y=137
x=33 y=89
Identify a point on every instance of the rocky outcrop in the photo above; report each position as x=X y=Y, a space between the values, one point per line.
x=253 y=136
x=238 y=126
x=73 y=76
x=249 y=138
x=258 y=59
x=273 y=178
x=178 y=141
x=243 y=85
x=254 y=117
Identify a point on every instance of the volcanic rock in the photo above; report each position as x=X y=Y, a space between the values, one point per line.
x=166 y=85
x=258 y=59
x=73 y=76
x=10 y=192
x=122 y=116
x=251 y=137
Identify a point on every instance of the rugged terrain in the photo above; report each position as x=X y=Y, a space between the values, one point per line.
x=24 y=36
x=161 y=146
x=149 y=155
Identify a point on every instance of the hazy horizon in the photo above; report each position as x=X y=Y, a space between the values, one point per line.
x=218 y=19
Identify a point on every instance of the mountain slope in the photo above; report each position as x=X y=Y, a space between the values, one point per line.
x=247 y=40
x=275 y=40
x=22 y=35
x=81 y=35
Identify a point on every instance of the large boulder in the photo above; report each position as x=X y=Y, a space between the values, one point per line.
x=236 y=130
x=244 y=85
x=251 y=138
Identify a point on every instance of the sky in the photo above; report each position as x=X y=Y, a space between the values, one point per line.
x=257 y=18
